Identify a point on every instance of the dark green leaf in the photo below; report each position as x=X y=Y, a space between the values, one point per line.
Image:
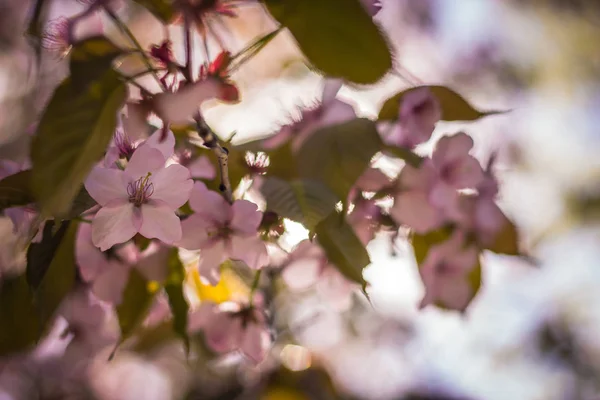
x=422 y=243
x=339 y=154
x=92 y=58
x=177 y=303
x=342 y=247
x=408 y=156
x=337 y=36
x=454 y=107
x=137 y=299
x=304 y=201
x=40 y=255
x=161 y=9
x=506 y=241
x=18 y=316
x=15 y=191
x=72 y=136
x=59 y=277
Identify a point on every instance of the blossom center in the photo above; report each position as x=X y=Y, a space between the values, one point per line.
x=124 y=145
x=139 y=191
x=221 y=232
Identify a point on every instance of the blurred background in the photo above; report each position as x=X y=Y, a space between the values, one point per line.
x=532 y=332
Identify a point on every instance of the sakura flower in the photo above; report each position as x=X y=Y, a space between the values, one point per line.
x=141 y=199
x=420 y=110
x=310 y=268
x=330 y=112
x=108 y=272
x=371 y=6
x=365 y=219
x=56 y=37
x=123 y=146
x=221 y=231
x=181 y=106
x=163 y=53
x=450 y=273
x=428 y=194
x=231 y=326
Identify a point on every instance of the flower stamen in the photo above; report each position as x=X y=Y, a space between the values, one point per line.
x=140 y=190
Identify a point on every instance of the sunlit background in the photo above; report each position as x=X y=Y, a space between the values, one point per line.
x=532 y=332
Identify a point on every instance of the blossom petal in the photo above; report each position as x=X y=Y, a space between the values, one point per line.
x=166 y=147
x=181 y=106
x=330 y=89
x=202 y=168
x=134 y=123
x=223 y=332
x=413 y=209
x=90 y=260
x=245 y=217
x=251 y=250
x=159 y=221
x=211 y=259
x=154 y=264
x=172 y=185
x=335 y=288
x=145 y=159
x=302 y=273
x=110 y=283
x=105 y=185
x=372 y=180
x=115 y=223
x=195 y=232
x=253 y=342
x=209 y=203
x=450 y=148
x=336 y=113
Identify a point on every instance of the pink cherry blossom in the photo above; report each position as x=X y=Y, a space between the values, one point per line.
x=420 y=110
x=141 y=199
x=55 y=37
x=429 y=194
x=309 y=268
x=232 y=326
x=447 y=273
x=199 y=167
x=108 y=272
x=330 y=112
x=221 y=231
x=365 y=219
x=123 y=147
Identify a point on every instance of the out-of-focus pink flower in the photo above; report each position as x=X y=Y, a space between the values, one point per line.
x=141 y=199
x=56 y=37
x=365 y=219
x=330 y=112
x=199 y=167
x=107 y=273
x=428 y=195
x=309 y=268
x=446 y=273
x=231 y=326
x=123 y=146
x=420 y=110
x=221 y=231
x=371 y=6
x=21 y=217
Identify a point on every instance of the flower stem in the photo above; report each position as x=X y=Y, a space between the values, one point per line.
x=123 y=27
x=254 y=286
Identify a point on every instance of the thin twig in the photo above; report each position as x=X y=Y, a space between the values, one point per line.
x=123 y=27
x=212 y=142
x=188 y=71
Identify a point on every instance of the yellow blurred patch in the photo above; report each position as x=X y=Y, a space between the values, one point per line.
x=230 y=287
x=283 y=394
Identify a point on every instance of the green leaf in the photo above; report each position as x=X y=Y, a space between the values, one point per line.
x=72 y=136
x=454 y=107
x=52 y=285
x=161 y=9
x=92 y=58
x=177 y=303
x=506 y=241
x=408 y=156
x=339 y=154
x=422 y=243
x=304 y=201
x=40 y=255
x=18 y=316
x=337 y=36
x=137 y=299
x=15 y=191
x=342 y=247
